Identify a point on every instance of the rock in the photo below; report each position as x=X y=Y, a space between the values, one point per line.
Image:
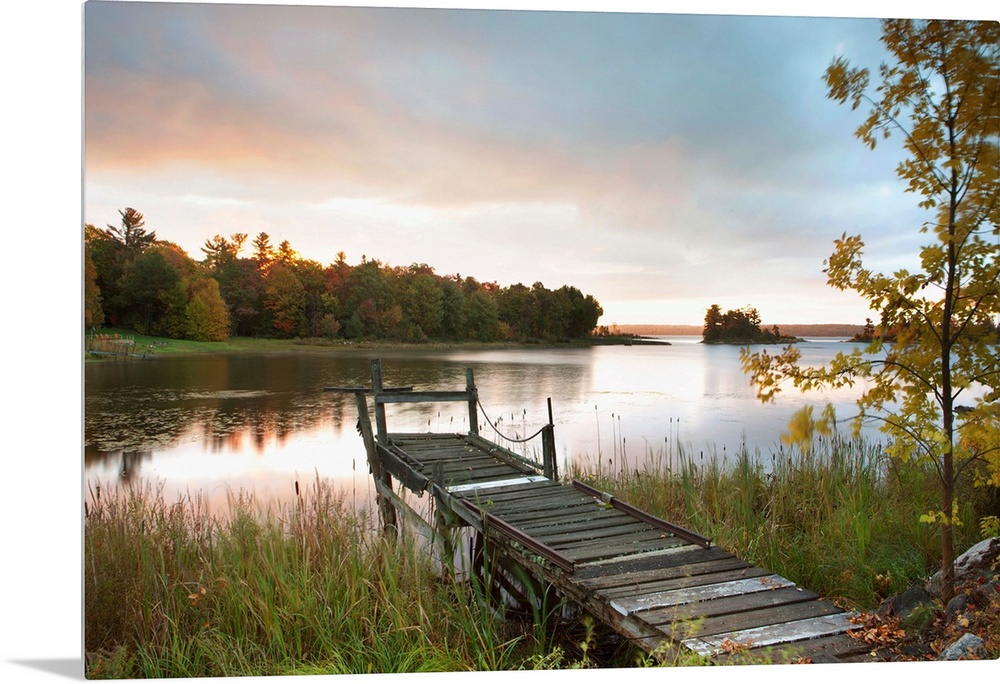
x=905 y=604
x=967 y=646
x=982 y=556
x=985 y=592
x=979 y=561
x=956 y=606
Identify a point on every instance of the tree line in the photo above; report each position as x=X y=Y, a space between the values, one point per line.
x=738 y=326
x=136 y=281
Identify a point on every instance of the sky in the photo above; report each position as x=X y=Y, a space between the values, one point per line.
x=659 y=162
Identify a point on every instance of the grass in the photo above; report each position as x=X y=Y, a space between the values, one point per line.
x=170 y=346
x=841 y=519
x=172 y=592
x=309 y=587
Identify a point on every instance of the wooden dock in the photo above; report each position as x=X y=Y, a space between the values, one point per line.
x=667 y=589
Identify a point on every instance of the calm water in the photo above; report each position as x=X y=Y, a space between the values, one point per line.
x=217 y=424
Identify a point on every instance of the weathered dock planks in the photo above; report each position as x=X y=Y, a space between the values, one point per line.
x=656 y=583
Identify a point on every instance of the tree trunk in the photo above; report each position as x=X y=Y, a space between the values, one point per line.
x=947 y=536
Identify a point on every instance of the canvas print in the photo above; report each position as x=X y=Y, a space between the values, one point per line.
x=471 y=339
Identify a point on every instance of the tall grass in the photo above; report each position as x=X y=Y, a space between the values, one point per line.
x=310 y=587
x=170 y=591
x=841 y=519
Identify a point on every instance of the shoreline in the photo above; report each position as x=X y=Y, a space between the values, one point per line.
x=147 y=348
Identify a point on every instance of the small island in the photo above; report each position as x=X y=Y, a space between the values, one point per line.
x=740 y=326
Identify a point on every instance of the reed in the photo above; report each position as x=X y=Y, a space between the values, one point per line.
x=841 y=518
x=170 y=591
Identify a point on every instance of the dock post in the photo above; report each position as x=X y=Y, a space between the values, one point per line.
x=442 y=525
x=470 y=387
x=386 y=511
x=549 y=467
x=380 y=424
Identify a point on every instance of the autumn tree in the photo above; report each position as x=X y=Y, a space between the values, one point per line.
x=285 y=300
x=941 y=96
x=207 y=318
x=93 y=313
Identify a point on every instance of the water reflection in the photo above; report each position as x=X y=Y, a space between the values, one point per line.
x=223 y=423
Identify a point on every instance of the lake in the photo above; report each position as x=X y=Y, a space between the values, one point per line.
x=229 y=423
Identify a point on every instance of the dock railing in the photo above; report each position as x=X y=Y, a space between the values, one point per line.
x=382 y=396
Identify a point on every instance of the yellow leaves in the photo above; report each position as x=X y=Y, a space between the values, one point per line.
x=800 y=428
x=940 y=518
x=843 y=268
x=846 y=83
x=990 y=526
x=803 y=428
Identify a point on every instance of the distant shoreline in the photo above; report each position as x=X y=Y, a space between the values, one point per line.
x=804 y=330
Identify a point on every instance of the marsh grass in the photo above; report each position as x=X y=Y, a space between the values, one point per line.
x=841 y=518
x=170 y=591
x=310 y=587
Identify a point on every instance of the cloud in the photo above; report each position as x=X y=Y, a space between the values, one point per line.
x=638 y=155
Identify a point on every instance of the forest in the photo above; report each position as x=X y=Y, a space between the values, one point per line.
x=135 y=281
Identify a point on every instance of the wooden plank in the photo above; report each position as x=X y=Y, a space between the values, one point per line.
x=712 y=576
x=650 y=569
x=433 y=451
x=383 y=397
x=401 y=470
x=704 y=592
x=645 y=516
x=453 y=457
x=468 y=465
x=472 y=491
x=659 y=580
x=590 y=554
x=737 y=623
x=728 y=605
x=770 y=635
x=497 y=526
x=549 y=510
x=527 y=492
x=641 y=535
x=677 y=554
x=581 y=523
x=674 y=546
x=423 y=436
x=545 y=488
x=484 y=472
x=838 y=648
x=590 y=534
x=502 y=452
x=540 y=502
